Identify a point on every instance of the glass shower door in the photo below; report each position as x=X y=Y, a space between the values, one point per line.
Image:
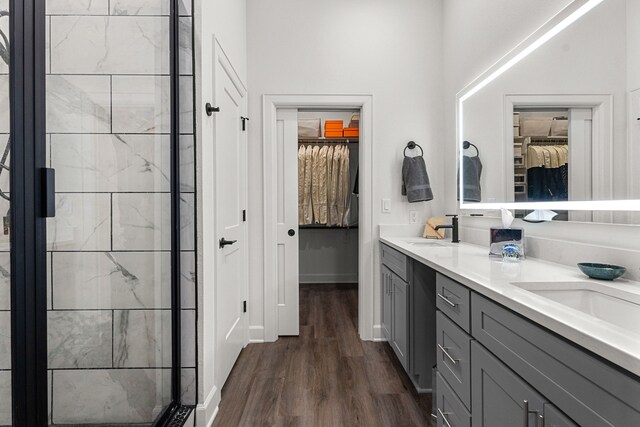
x=109 y=245
x=5 y=244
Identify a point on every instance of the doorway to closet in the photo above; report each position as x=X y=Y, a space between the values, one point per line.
x=295 y=253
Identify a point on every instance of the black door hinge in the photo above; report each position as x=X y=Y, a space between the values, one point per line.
x=244 y=122
x=244 y=306
x=244 y=215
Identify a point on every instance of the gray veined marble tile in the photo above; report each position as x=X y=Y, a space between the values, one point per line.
x=188 y=382
x=5 y=398
x=148 y=7
x=5 y=340
x=111 y=163
x=4 y=27
x=109 y=396
x=77 y=7
x=79 y=339
x=4 y=104
x=5 y=180
x=142 y=339
x=110 y=45
x=142 y=104
x=187 y=164
x=143 y=221
x=5 y=281
x=111 y=280
x=188 y=282
x=81 y=223
x=78 y=104
x=188 y=338
x=185 y=39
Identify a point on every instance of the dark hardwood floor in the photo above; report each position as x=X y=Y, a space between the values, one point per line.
x=325 y=377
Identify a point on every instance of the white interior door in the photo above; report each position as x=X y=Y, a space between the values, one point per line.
x=634 y=152
x=230 y=201
x=287 y=219
x=581 y=160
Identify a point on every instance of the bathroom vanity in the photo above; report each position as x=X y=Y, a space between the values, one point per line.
x=514 y=346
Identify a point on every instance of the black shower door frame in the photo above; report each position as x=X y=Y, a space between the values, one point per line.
x=30 y=202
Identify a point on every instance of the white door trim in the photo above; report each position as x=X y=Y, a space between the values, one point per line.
x=366 y=233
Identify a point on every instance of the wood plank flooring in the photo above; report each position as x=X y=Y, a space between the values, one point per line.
x=325 y=377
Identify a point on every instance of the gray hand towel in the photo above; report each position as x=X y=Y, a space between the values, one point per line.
x=415 y=180
x=472 y=171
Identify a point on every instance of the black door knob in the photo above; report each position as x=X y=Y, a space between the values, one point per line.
x=210 y=109
x=224 y=242
x=292 y=232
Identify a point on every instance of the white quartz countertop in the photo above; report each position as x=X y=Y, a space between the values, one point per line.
x=489 y=276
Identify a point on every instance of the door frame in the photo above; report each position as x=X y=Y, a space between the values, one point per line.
x=366 y=236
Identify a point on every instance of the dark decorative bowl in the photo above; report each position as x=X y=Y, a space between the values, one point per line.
x=601 y=271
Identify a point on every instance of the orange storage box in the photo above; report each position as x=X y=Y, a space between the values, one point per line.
x=351 y=132
x=333 y=125
x=333 y=133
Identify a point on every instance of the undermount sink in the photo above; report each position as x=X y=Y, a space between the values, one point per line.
x=427 y=243
x=609 y=304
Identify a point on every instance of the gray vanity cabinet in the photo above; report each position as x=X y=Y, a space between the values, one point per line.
x=399 y=319
x=500 y=397
x=385 y=313
x=408 y=311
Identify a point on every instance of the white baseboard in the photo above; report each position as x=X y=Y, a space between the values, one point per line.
x=377 y=333
x=329 y=278
x=206 y=411
x=256 y=334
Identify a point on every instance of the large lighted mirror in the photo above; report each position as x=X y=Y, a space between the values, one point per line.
x=556 y=123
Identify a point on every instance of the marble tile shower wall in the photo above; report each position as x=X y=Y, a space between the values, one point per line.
x=108 y=122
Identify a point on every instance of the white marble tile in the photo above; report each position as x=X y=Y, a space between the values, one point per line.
x=188 y=282
x=5 y=281
x=81 y=223
x=185 y=39
x=79 y=339
x=5 y=398
x=109 y=45
x=109 y=396
x=111 y=163
x=142 y=339
x=4 y=28
x=148 y=7
x=5 y=106
x=78 y=104
x=187 y=164
x=47 y=45
x=142 y=104
x=111 y=280
x=77 y=7
x=143 y=221
x=5 y=340
x=188 y=338
x=5 y=239
x=188 y=382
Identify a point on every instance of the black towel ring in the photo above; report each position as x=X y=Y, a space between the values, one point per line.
x=412 y=145
x=466 y=145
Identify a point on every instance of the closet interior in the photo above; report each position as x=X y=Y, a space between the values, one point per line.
x=541 y=155
x=328 y=153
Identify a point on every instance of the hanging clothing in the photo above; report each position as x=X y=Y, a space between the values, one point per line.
x=344 y=199
x=322 y=186
x=334 y=180
x=547 y=173
x=302 y=151
x=308 y=174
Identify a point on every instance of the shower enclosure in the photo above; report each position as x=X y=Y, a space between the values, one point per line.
x=97 y=221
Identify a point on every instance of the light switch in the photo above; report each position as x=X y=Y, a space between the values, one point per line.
x=413 y=217
x=386 y=205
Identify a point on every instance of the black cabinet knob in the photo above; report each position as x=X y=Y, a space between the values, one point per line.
x=292 y=232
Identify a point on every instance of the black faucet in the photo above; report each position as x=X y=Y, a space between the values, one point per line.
x=454 y=228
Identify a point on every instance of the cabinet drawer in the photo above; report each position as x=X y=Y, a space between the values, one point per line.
x=454 y=357
x=450 y=410
x=396 y=261
x=554 y=418
x=453 y=300
x=588 y=390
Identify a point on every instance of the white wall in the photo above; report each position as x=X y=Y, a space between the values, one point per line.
x=472 y=43
x=392 y=50
x=226 y=19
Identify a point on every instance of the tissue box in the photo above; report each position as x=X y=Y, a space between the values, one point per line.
x=505 y=236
